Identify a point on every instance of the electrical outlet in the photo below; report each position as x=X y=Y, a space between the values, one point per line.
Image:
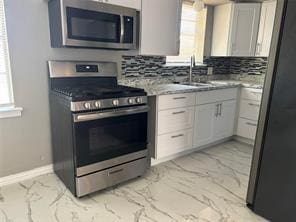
x=210 y=70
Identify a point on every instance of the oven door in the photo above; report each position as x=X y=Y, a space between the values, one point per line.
x=106 y=139
x=98 y=25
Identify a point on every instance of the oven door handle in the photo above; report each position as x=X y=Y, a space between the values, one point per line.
x=101 y=115
x=121 y=29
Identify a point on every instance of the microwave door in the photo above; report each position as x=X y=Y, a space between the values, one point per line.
x=92 y=28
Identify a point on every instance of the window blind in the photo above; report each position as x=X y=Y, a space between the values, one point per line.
x=6 y=97
x=187 y=35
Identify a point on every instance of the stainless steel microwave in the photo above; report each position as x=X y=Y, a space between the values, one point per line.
x=91 y=24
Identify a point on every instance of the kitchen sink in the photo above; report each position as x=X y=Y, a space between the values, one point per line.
x=197 y=84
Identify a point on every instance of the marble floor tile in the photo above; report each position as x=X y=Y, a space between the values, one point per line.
x=205 y=186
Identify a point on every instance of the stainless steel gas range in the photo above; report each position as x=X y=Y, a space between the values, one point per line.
x=99 y=128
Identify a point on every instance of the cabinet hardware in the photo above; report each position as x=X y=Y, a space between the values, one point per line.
x=258 y=48
x=254 y=104
x=251 y=124
x=115 y=171
x=217 y=110
x=175 y=113
x=182 y=97
x=256 y=93
x=220 y=112
x=176 y=136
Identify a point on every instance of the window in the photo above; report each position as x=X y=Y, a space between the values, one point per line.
x=187 y=35
x=6 y=96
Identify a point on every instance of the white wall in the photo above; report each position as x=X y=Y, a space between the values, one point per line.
x=25 y=141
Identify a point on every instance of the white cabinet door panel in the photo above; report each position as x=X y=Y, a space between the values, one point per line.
x=265 y=28
x=175 y=119
x=136 y=4
x=224 y=122
x=160 y=27
x=204 y=124
x=172 y=143
x=244 y=29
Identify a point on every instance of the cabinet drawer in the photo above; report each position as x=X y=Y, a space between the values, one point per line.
x=175 y=119
x=176 y=101
x=251 y=94
x=172 y=143
x=249 y=109
x=215 y=96
x=247 y=128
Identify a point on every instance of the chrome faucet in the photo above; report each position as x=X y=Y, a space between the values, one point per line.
x=192 y=65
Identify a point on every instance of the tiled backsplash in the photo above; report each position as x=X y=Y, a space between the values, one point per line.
x=154 y=66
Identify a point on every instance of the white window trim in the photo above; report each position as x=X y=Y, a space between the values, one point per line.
x=9 y=110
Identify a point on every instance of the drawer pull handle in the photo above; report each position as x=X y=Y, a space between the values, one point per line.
x=253 y=104
x=176 y=113
x=176 y=136
x=115 y=171
x=183 y=97
x=257 y=93
x=251 y=124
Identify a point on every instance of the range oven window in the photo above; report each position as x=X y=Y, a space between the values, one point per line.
x=93 y=26
x=107 y=138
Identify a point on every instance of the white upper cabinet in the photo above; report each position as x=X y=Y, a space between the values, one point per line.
x=160 y=27
x=235 y=29
x=136 y=4
x=265 y=28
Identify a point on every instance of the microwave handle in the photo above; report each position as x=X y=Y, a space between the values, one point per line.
x=108 y=114
x=121 y=28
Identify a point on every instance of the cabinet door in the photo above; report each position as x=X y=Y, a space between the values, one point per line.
x=136 y=4
x=224 y=122
x=205 y=116
x=265 y=28
x=160 y=27
x=244 y=29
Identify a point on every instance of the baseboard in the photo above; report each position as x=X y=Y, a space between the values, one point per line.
x=186 y=152
x=15 y=178
x=244 y=140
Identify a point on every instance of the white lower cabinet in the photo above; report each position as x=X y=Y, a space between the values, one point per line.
x=250 y=102
x=213 y=122
x=224 y=122
x=172 y=143
x=175 y=119
x=204 y=124
x=192 y=120
x=246 y=128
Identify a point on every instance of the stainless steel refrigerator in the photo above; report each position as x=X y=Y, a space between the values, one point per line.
x=272 y=185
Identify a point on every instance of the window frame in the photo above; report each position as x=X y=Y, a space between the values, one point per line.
x=8 y=110
x=184 y=62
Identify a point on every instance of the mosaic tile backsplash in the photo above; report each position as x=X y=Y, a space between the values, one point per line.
x=154 y=66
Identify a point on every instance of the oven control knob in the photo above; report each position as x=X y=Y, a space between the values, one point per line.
x=130 y=101
x=98 y=104
x=87 y=105
x=139 y=100
x=115 y=102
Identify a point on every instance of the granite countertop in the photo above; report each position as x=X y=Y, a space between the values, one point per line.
x=163 y=89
